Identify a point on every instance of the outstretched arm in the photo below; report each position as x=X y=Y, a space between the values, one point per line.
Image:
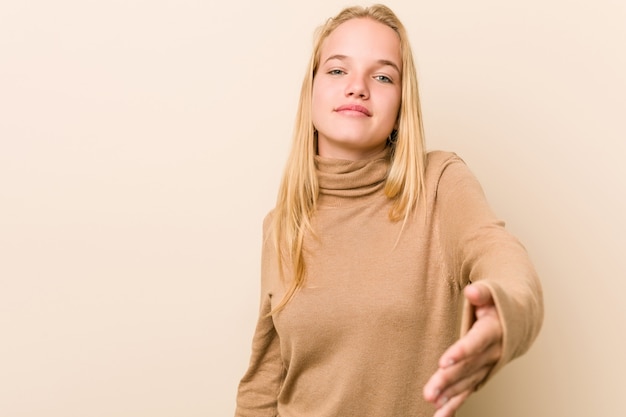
x=503 y=299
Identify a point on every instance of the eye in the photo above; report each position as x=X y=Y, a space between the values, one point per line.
x=383 y=79
x=336 y=72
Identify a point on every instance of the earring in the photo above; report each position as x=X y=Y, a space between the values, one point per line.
x=393 y=137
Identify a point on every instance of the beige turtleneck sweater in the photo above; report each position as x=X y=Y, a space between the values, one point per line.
x=381 y=304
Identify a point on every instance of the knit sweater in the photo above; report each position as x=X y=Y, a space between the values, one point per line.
x=382 y=301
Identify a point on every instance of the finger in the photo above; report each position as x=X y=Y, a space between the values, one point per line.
x=465 y=356
x=463 y=382
x=448 y=382
x=486 y=331
x=451 y=406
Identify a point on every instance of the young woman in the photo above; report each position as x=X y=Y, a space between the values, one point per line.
x=388 y=286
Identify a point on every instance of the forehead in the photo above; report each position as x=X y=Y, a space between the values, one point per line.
x=363 y=38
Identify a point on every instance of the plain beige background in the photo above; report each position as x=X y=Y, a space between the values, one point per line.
x=141 y=144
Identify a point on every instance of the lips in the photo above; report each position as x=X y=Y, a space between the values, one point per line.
x=348 y=108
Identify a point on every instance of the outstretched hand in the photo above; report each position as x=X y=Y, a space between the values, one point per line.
x=468 y=361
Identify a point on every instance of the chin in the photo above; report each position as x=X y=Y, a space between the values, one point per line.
x=360 y=143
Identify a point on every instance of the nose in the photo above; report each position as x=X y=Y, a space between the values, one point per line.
x=357 y=87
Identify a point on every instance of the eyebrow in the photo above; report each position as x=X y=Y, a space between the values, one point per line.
x=379 y=61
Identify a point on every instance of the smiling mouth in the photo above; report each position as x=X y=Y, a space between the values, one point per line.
x=354 y=109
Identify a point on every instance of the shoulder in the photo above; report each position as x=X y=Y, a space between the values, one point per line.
x=448 y=172
x=440 y=162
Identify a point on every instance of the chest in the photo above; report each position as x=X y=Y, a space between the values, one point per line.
x=365 y=274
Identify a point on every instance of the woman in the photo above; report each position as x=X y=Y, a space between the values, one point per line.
x=377 y=255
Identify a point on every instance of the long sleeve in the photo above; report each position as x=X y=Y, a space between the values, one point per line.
x=477 y=247
x=382 y=300
x=258 y=389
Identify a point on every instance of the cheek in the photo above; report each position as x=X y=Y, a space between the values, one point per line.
x=315 y=104
x=319 y=100
x=394 y=106
x=320 y=91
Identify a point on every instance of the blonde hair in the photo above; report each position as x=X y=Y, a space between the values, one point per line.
x=298 y=192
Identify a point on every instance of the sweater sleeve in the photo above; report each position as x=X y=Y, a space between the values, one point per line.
x=477 y=248
x=257 y=394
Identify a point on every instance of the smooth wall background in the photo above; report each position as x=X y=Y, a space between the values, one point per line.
x=141 y=144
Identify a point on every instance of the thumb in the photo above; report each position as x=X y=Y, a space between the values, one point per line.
x=478 y=295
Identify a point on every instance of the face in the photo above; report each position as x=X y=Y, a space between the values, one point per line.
x=357 y=89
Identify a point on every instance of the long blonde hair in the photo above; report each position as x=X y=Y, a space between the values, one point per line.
x=298 y=192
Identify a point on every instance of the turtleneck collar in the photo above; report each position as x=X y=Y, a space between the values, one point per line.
x=342 y=181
